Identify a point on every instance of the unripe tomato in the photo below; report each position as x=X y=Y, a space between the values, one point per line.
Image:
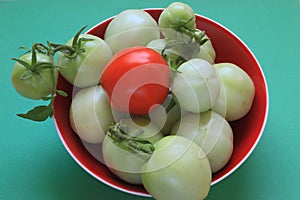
x=90 y=114
x=237 y=92
x=178 y=169
x=84 y=69
x=173 y=17
x=207 y=51
x=120 y=158
x=196 y=86
x=165 y=115
x=211 y=132
x=132 y=27
x=33 y=84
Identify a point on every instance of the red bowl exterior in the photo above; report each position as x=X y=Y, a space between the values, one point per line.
x=247 y=131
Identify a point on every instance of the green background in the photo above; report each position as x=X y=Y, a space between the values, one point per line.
x=34 y=163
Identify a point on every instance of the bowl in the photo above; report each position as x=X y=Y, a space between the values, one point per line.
x=247 y=131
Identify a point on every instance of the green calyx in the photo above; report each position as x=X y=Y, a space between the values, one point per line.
x=43 y=112
x=192 y=33
x=141 y=147
x=75 y=49
x=186 y=45
x=34 y=67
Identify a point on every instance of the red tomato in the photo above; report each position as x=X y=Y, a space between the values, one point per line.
x=136 y=79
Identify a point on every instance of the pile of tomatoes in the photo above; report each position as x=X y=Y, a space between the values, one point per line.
x=151 y=93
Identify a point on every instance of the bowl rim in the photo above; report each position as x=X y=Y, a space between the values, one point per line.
x=219 y=179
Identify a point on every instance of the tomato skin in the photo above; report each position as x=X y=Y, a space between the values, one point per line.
x=119 y=159
x=132 y=27
x=38 y=85
x=135 y=79
x=211 y=132
x=207 y=51
x=178 y=169
x=197 y=86
x=90 y=114
x=237 y=92
x=173 y=15
x=163 y=117
x=84 y=70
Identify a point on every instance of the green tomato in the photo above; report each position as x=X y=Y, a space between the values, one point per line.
x=120 y=158
x=237 y=92
x=90 y=114
x=84 y=70
x=207 y=51
x=211 y=132
x=172 y=54
x=196 y=86
x=159 y=44
x=177 y=169
x=173 y=17
x=164 y=116
x=33 y=83
x=130 y=28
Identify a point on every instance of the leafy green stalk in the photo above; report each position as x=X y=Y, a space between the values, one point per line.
x=143 y=148
x=43 y=112
x=74 y=50
x=186 y=45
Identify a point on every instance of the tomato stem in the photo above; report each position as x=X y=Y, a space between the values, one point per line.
x=51 y=53
x=33 y=56
x=194 y=34
x=41 y=113
x=76 y=37
x=186 y=45
x=75 y=49
x=119 y=133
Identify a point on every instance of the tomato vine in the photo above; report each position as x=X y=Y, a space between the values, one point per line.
x=143 y=148
x=43 y=112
